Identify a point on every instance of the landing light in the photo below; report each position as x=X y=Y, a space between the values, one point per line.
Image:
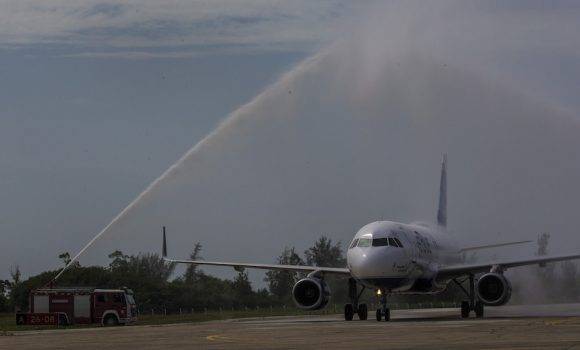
x=379 y=292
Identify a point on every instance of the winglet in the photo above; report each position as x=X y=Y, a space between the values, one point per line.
x=442 y=211
x=164 y=249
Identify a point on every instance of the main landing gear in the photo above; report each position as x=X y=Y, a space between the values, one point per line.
x=354 y=307
x=472 y=304
x=384 y=312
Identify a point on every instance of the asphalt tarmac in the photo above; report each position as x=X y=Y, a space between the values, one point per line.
x=508 y=327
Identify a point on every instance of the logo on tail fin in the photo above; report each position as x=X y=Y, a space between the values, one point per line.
x=442 y=211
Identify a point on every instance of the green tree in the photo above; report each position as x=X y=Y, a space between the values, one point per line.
x=151 y=266
x=191 y=273
x=280 y=282
x=14 y=286
x=325 y=253
x=4 y=296
x=65 y=257
x=16 y=275
x=147 y=274
x=242 y=289
x=119 y=261
x=152 y=280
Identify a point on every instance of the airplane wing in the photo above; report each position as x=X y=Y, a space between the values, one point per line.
x=458 y=270
x=466 y=249
x=238 y=266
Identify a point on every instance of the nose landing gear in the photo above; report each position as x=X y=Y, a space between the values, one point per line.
x=384 y=312
x=354 y=307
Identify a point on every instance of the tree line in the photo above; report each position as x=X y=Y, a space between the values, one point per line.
x=157 y=287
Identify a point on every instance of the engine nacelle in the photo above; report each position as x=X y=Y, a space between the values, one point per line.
x=494 y=289
x=311 y=293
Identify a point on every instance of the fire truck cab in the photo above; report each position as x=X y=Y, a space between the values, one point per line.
x=65 y=306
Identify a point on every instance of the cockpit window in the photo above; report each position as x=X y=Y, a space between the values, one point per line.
x=364 y=242
x=380 y=242
x=399 y=244
x=353 y=244
x=392 y=242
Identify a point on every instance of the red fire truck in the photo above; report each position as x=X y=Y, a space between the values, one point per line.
x=66 y=306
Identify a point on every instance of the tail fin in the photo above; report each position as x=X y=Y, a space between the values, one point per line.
x=164 y=249
x=442 y=211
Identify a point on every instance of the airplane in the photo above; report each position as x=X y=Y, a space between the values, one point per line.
x=396 y=258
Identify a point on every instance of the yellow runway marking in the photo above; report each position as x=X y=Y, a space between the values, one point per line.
x=217 y=337
x=571 y=320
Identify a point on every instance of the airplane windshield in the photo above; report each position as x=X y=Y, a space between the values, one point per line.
x=380 y=242
x=364 y=242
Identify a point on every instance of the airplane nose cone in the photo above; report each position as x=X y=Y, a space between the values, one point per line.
x=374 y=262
x=366 y=263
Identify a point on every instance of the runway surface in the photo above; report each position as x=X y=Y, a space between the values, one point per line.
x=509 y=327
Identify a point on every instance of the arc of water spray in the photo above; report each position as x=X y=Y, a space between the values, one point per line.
x=145 y=192
x=230 y=120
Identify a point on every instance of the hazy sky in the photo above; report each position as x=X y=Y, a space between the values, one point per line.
x=98 y=98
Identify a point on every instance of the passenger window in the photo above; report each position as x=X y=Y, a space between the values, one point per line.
x=392 y=242
x=101 y=298
x=364 y=242
x=399 y=244
x=353 y=244
x=380 y=242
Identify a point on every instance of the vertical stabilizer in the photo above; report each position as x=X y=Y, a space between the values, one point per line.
x=164 y=248
x=442 y=211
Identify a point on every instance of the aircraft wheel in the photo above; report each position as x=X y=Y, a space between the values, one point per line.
x=465 y=309
x=348 y=312
x=379 y=315
x=387 y=315
x=363 y=312
x=479 y=309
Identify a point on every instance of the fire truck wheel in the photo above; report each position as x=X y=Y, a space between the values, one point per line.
x=62 y=320
x=110 y=321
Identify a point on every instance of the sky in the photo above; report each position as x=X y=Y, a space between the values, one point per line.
x=336 y=114
x=99 y=97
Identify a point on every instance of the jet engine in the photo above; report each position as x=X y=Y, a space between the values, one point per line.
x=311 y=293
x=494 y=289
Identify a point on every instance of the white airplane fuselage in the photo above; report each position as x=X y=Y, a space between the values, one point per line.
x=401 y=258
